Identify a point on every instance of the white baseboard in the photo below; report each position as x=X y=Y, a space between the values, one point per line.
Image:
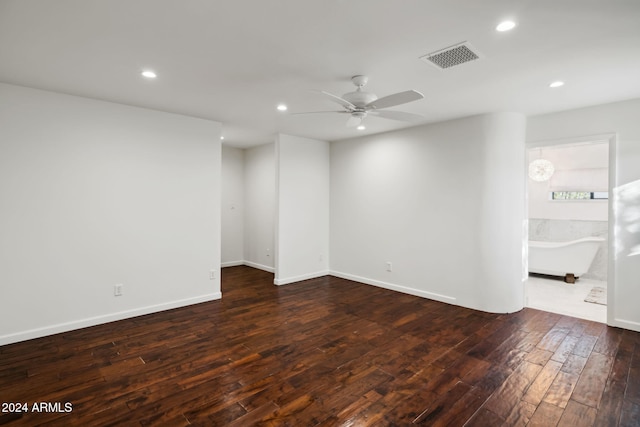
x=231 y=264
x=287 y=280
x=259 y=266
x=394 y=287
x=626 y=324
x=106 y=318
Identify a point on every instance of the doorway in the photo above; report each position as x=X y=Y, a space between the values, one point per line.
x=569 y=208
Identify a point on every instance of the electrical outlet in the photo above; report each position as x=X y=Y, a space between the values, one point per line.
x=212 y=274
x=117 y=290
x=389 y=266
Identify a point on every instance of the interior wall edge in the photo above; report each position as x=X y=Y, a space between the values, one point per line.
x=259 y=266
x=231 y=263
x=395 y=287
x=288 y=280
x=107 y=318
x=625 y=324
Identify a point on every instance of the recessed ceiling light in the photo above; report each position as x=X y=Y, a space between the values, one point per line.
x=556 y=84
x=361 y=127
x=149 y=74
x=281 y=107
x=505 y=26
x=221 y=138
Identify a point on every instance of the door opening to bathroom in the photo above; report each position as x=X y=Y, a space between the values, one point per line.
x=568 y=212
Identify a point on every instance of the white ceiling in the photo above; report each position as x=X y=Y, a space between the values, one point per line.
x=233 y=61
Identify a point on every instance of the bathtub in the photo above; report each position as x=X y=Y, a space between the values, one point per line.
x=569 y=259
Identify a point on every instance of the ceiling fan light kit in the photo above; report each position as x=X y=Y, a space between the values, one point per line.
x=360 y=103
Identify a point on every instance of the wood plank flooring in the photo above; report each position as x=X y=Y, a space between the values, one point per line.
x=327 y=352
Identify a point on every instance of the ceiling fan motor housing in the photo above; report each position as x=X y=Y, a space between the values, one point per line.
x=359 y=98
x=359 y=80
x=359 y=103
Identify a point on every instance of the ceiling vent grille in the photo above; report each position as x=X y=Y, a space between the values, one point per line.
x=451 y=56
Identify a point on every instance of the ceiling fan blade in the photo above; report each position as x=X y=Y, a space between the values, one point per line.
x=398 y=115
x=319 y=112
x=354 y=121
x=335 y=98
x=395 y=99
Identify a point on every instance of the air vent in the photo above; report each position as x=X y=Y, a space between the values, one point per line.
x=452 y=56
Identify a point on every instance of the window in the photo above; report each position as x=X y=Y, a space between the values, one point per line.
x=579 y=195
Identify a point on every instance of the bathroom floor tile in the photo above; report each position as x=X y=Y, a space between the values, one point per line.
x=556 y=296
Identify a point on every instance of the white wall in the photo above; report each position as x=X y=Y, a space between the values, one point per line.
x=567 y=159
x=302 y=225
x=443 y=203
x=232 y=206
x=259 y=206
x=96 y=194
x=620 y=118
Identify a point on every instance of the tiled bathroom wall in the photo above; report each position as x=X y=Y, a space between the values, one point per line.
x=560 y=230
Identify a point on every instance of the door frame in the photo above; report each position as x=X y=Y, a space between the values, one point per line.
x=611 y=139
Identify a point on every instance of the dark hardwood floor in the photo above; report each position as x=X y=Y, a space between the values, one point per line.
x=327 y=352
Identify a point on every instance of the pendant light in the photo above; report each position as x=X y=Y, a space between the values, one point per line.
x=540 y=170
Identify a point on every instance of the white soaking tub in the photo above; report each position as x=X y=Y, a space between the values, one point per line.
x=569 y=259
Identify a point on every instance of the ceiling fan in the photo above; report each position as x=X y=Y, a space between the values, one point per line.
x=358 y=104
